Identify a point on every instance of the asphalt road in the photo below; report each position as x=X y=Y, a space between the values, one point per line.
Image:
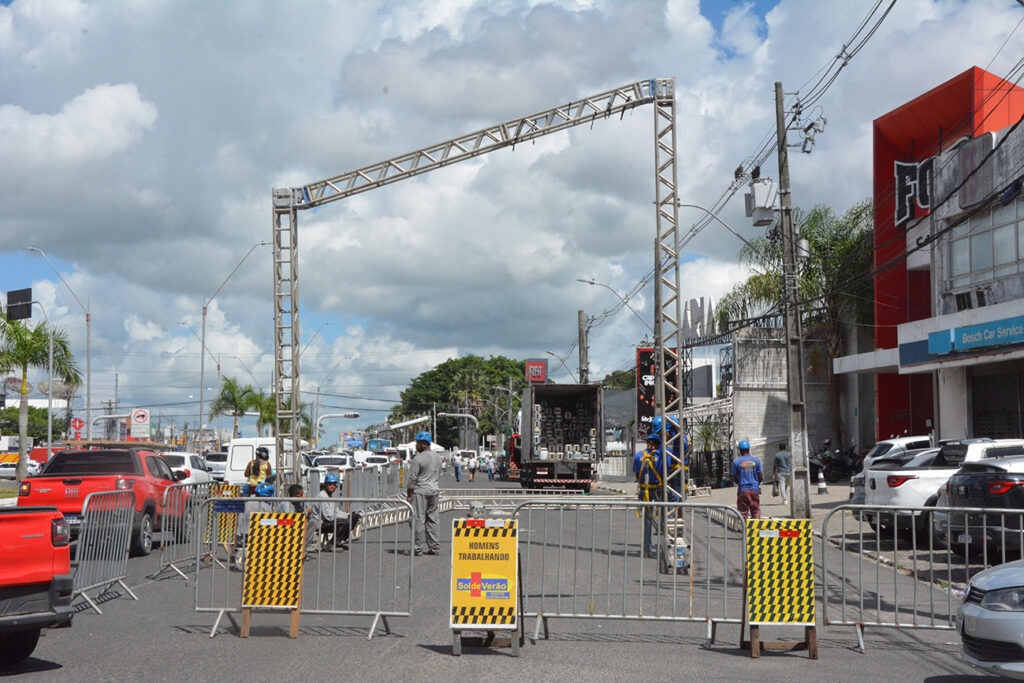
x=161 y=637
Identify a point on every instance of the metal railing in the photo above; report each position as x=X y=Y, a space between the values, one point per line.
x=101 y=554
x=585 y=559
x=181 y=506
x=368 y=576
x=910 y=563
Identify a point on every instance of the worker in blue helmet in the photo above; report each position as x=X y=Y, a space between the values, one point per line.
x=647 y=470
x=422 y=491
x=675 y=466
x=746 y=474
x=334 y=523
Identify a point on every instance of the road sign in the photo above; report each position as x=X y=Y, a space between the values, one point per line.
x=140 y=423
x=77 y=424
x=19 y=304
x=484 y=562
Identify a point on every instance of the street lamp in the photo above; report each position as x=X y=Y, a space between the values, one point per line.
x=88 y=341
x=624 y=301
x=49 y=390
x=314 y=337
x=347 y=416
x=202 y=340
x=562 y=361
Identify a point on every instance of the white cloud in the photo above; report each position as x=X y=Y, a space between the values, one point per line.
x=141 y=142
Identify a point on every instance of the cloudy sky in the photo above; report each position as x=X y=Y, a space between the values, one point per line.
x=140 y=142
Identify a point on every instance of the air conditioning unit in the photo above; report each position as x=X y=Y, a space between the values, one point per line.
x=762 y=201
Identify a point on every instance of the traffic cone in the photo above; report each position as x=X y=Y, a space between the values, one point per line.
x=822 y=484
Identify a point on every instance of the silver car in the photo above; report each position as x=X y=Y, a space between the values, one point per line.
x=991 y=620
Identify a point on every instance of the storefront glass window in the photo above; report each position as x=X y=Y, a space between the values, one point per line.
x=961 y=253
x=1004 y=243
x=981 y=251
x=994 y=248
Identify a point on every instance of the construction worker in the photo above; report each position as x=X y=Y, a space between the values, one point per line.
x=746 y=474
x=257 y=471
x=673 y=466
x=647 y=469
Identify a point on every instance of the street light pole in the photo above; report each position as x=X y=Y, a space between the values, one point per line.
x=88 y=341
x=624 y=301
x=562 y=361
x=49 y=390
x=202 y=340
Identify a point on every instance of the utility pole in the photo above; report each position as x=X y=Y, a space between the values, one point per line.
x=584 y=364
x=800 y=501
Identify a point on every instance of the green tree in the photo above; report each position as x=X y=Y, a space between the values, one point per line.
x=265 y=406
x=620 y=379
x=233 y=399
x=833 y=283
x=36 y=422
x=25 y=347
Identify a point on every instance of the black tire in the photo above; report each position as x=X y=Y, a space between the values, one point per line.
x=832 y=476
x=142 y=544
x=17 y=646
x=184 y=534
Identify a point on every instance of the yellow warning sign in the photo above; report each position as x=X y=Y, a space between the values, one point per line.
x=273 y=562
x=780 y=572
x=223 y=519
x=485 y=562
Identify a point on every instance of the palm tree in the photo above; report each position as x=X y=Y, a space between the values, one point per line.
x=266 y=406
x=233 y=399
x=23 y=347
x=833 y=281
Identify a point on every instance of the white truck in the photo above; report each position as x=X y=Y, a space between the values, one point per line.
x=242 y=451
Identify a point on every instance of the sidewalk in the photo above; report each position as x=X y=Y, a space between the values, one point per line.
x=821 y=504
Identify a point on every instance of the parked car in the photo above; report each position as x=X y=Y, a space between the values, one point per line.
x=70 y=476
x=858 y=495
x=192 y=464
x=991 y=620
x=893 y=447
x=35 y=578
x=338 y=464
x=8 y=470
x=995 y=482
x=892 y=482
x=215 y=462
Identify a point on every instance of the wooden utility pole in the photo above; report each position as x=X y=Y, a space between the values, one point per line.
x=800 y=500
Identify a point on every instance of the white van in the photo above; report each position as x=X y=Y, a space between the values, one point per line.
x=242 y=451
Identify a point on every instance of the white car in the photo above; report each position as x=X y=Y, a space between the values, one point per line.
x=893 y=447
x=215 y=462
x=991 y=620
x=192 y=464
x=8 y=470
x=337 y=464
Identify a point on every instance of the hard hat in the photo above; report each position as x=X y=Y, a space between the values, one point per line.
x=424 y=436
x=331 y=478
x=265 y=490
x=654 y=436
x=670 y=425
x=744 y=445
x=263 y=453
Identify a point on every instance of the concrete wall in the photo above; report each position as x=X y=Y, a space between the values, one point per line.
x=954 y=403
x=760 y=400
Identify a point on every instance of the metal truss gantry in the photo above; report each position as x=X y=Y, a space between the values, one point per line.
x=287 y=202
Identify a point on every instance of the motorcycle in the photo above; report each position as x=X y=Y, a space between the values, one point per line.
x=837 y=465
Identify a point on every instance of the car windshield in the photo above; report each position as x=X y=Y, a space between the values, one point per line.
x=879 y=450
x=377 y=460
x=335 y=460
x=174 y=460
x=923 y=459
x=92 y=462
x=216 y=457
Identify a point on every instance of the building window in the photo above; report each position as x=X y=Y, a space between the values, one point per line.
x=989 y=245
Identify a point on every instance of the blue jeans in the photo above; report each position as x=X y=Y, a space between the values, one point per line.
x=458 y=473
x=652 y=516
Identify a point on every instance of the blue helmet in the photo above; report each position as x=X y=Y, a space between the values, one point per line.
x=671 y=427
x=265 y=490
x=686 y=445
x=424 y=436
x=654 y=436
x=743 y=445
x=331 y=478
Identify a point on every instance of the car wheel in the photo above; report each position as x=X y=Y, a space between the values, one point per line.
x=184 y=534
x=142 y=545
x=16 y=646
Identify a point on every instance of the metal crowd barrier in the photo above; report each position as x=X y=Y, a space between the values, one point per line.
x=181 y=507
x=372 y=576
x=904 y=567
x=584 y=559
x=477 y=501
x=101 y=555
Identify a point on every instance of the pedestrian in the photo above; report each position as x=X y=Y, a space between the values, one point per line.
x=781 y=472
x=296 y=491
x=746 y=474
x=254 y=503
x=257 y=471
x=333 y=520
x=472 y=466
x=422 y=492
x=490 y=467
x=647 y=470
x=457 y=465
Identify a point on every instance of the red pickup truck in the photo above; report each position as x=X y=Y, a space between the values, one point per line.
x=35 y=578
x=70 y=476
